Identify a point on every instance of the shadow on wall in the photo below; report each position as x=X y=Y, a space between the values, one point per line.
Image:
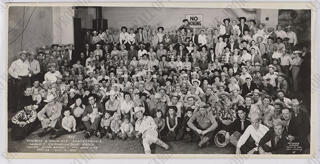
x=29 y=27
x=299 y=20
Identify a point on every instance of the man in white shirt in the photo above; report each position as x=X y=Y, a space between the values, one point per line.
x=292 y=37
x=272 y=75
x=249 y=141
x=142 y=51
x=202 y=38
x=19 y=70
x=52 y=76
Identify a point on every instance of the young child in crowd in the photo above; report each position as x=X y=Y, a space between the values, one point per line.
x=160 y=122
x=115 y=125
x=105 y=125
x=126 y=128
x=172 y=124
x=185 y=132
x=68 y=125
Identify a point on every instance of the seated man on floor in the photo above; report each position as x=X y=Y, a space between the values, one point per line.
x=49 y=115
x=278 y=138
x=146 y=128
x=203 y=123
x=249 y=141
x=92 y=116
x=24 y=122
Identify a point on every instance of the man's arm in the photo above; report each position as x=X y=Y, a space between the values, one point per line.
x=214 y=124
x=41 y=115
x=12 y=70
x=57 y=114
x=33 y=117
x=244 y=137
x=267 y=137
x=64 y=124
x=190 y=123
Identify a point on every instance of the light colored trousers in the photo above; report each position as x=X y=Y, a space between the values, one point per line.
x=148 y=138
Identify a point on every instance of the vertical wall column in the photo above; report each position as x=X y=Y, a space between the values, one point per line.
x=63 y=32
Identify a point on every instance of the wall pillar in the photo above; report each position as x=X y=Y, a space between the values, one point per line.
x=63 y=32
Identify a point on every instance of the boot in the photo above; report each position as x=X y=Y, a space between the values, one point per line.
x=162 y=144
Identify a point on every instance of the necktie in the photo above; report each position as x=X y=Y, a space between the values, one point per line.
x=276 y=140
x=242 y=125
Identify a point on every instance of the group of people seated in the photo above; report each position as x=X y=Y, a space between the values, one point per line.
x=235 y=83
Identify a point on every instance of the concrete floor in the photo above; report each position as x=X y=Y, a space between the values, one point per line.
x=104 y=145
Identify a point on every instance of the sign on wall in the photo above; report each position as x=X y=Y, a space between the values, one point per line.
x=195 y=20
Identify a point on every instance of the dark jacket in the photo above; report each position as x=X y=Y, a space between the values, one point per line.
x=279 y=148
x=245 y=27
x=236 y=126
x=246 y=89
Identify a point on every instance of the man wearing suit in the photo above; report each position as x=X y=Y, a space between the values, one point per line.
x=242 y=25
x=71 y=55
x=195 y=38
x=297 y=124
x=91 y=116
x=232 y=44
x=248 y=86
x=86 y=50
x=237 y=128
x=278 y=138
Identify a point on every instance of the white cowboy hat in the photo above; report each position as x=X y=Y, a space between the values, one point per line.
x=49 y=98
x=139 y=109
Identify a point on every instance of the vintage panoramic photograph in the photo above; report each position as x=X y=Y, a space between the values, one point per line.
x=159 y=80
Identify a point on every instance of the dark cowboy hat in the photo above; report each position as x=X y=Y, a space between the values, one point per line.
x=244 y=18
x=160 y=28
x=140 y=28
x=223 y=94
x=278 y=38
x=280 y=90
x=254 y=21
x=185 y=20
x=124 y=27
x=172 y=107
x=244 y=41
x=242 y=108
x=226 y=19
x=281 y=104
x=27 y=102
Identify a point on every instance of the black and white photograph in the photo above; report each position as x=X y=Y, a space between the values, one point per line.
x=159 y=79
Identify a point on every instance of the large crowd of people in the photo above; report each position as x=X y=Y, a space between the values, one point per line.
x=236 y=83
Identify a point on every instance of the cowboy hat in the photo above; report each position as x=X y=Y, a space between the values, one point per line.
x=23 y=52
x=49 y=98
x=139 y=109
x=272 y=66
x=260 y=37
x=297 y=52
x=244 y=18
x=172 y=107
x=223 y=94
x=195 y=80
x=227 y=19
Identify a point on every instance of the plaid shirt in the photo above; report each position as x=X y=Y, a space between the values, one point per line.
x=22 y=116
